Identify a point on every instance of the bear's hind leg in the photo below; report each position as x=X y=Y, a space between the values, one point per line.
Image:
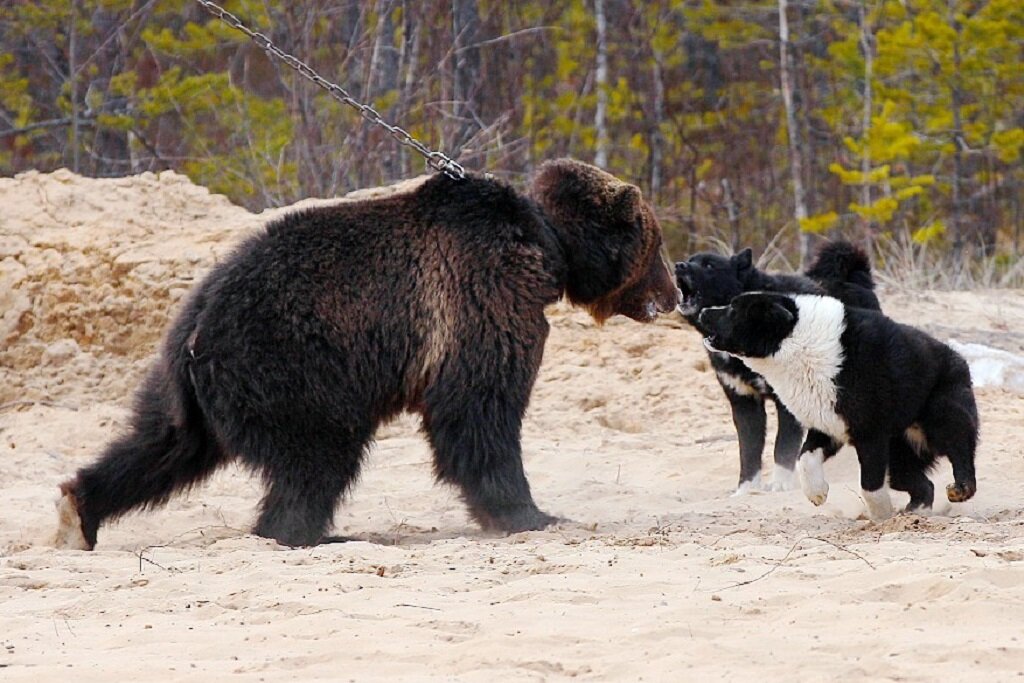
x=167 y=449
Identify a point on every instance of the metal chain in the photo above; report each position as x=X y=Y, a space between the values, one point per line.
x=439 y=161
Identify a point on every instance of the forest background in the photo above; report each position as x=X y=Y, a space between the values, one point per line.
x=897 y=123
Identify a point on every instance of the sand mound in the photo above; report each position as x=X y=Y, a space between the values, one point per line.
x=91 y=269
x=661 y=576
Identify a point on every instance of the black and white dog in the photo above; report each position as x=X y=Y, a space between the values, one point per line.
x=899 y=396
x=706 y=279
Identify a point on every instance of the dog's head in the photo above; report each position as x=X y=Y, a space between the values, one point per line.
x=753 y=325
x=708 y=279
x=612 y=241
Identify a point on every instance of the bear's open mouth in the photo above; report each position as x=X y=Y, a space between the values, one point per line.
x=651 y=309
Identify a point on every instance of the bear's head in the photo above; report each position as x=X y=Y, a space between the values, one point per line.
x=612 y=241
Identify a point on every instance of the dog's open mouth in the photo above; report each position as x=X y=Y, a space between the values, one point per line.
x=690 y=302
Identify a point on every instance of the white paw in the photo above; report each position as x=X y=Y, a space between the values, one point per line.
x=783 y=479
x=812 y=476
x=749 y=486
x=878 y=504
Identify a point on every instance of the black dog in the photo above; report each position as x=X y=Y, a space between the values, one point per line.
x=839 y=269
x=899 y=396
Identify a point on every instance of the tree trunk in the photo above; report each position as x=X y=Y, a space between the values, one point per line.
x=867 y=46
x=601 y=86
x=793 y=133
x=656 y=140
x=732 y=213
x=387 y=82
x=110 y=155
x=73 y=84
x=466 y=27
x=410 y=59
x=956 y=97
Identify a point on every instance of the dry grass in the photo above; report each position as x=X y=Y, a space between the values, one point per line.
x=901 y=264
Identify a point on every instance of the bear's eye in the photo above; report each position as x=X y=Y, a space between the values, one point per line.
x=708 y=264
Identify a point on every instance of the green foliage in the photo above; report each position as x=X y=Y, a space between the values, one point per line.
x=693 y=99
x=820 y=223
x=929 y=233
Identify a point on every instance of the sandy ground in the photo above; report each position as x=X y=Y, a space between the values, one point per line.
x=661 y=575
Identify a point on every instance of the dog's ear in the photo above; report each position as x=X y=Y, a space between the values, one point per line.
x=744 y=259
x=781 y=314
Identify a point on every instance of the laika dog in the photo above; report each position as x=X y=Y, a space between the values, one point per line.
x=899 y=396
x=707 y=279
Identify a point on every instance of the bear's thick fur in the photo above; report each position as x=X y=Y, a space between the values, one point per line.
x=334 y=319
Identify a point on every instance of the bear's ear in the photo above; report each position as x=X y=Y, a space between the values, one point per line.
x=627 y=205
x=744 y=259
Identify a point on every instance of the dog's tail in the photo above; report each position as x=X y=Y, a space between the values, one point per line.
x=168 y=447
x=844 y=271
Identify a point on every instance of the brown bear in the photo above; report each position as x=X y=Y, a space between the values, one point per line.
x=332 y=320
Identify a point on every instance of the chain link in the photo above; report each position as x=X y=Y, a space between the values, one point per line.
x=435 y=159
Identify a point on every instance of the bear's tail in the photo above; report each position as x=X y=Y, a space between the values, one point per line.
x=844 y=271
x=167 y=448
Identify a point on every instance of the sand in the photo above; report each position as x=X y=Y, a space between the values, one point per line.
x=660 y=575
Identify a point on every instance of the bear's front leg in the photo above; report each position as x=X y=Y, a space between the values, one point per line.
x=476 y=442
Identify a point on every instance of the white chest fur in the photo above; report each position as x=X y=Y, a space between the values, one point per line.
x=803 y=371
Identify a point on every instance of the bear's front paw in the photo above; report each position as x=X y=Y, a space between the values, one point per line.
x=511 y=520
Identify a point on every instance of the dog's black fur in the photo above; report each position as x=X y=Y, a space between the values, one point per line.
x=905 y=398
x=706 y=279
x=291 y=352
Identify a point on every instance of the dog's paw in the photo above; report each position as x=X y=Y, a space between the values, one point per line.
x=878 y=504
x=812 y=476
x=749 y=486
x=958 y=493
x=783 y=479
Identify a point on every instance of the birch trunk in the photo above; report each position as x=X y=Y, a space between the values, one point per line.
x=867 y=47
x=793 y=133
x=601 y=85
x=73 y=81
x=466 y=28
x=956 y=97
x=657 y=140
